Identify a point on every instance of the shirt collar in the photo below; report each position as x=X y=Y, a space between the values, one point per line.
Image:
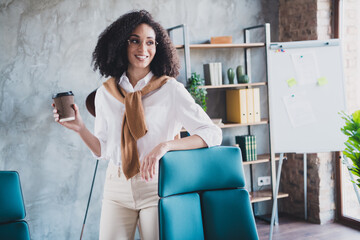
x=126 y=85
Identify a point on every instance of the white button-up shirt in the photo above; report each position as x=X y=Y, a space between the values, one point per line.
x=166 y=110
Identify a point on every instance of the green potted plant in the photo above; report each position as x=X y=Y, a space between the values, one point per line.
x=199 y=94
x=352 y=150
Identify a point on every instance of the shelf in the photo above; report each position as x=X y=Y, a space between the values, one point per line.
x=232 y=125
x=262 y=158
x=264 y=195
x=232 y=45
x=240 y=85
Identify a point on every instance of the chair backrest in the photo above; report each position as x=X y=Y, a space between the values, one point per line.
x=203 y=196
x=12 y=209
x=90 y=103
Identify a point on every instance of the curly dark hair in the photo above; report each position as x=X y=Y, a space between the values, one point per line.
x=110 y=54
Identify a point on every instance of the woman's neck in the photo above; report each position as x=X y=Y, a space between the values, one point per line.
x=136 y=75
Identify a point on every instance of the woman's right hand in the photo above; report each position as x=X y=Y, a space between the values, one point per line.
x=75 y=125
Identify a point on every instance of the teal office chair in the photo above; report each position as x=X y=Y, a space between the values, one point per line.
x=202 y=196
x=12 y=209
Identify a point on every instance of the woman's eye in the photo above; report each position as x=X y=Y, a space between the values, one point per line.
x=150 y=42
x=135 y=41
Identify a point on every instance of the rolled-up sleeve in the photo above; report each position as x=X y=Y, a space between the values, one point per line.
x=100 y=128
x=194 y=119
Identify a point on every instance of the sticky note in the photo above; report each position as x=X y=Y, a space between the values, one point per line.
x=291 y=82
x=322 y=81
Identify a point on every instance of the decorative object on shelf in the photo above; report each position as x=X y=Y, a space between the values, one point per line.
x=239 y=72
x=352 y=150
x=217 y=121
x=199 y=94
x=213 y=73
x=231 y=75
x=241 y=77
x=247 y=144
x=244 y=79
x=221 y=40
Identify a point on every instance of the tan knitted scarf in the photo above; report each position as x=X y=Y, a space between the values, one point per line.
x=133 y=125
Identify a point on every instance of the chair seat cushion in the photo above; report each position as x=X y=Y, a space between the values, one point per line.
x=227 y=214
x=180 y=217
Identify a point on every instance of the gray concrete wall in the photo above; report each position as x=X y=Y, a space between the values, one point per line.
x=46 y=47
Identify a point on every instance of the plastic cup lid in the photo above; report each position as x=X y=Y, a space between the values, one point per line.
x=63 y=94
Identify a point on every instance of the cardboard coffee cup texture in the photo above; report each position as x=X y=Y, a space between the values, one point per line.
x=64 y=103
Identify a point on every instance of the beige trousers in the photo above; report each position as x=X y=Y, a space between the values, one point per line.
x=127 y=203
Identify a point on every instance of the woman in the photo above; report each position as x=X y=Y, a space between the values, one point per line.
x=139 y=111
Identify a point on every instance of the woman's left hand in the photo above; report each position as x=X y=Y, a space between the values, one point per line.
x=148 y=165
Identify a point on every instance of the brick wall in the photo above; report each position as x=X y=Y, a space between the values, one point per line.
x=324 y=23
x=351 y=43
x=308 y=20
x=320 y=186
x=351 y=52
x=297 y=20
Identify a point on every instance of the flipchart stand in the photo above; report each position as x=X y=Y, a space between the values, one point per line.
x=275 y=205
x=305 y=186
x=278 y=176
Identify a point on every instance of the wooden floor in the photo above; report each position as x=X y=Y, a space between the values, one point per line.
x=293 y=229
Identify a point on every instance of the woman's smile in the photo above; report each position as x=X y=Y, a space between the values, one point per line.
x=141 y=57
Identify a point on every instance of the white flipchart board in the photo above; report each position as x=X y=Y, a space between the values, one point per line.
x=306 y=92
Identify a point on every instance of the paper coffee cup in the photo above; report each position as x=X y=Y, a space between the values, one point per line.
x=64 y=103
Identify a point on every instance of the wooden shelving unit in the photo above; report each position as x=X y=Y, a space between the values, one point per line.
x=262 y=158
x=232 y=125
x=240 y=85
x=247 y=46
x=264 y=195
x=232 y=45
